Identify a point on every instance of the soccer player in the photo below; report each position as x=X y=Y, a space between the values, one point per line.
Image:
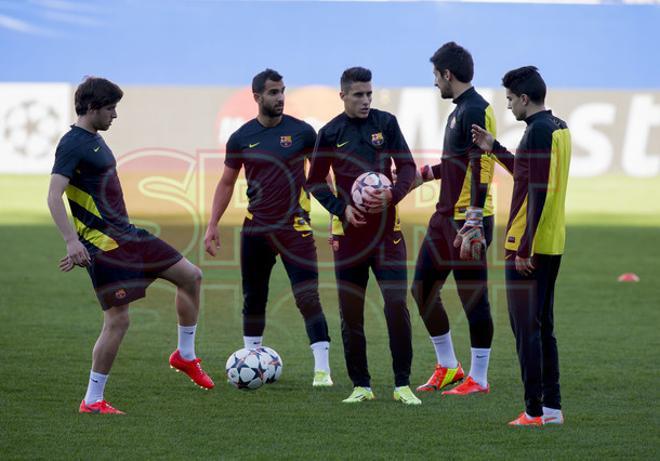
x=273 y=148
x=358 y=140
x=463 y=217
x=535 y=238
x=121 y=259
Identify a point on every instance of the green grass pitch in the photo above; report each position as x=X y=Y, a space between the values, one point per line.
x=607 y=331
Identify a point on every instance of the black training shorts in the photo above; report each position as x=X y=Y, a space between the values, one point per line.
x=122 y=275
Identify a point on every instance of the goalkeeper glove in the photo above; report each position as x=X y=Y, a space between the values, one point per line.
x=471 y=238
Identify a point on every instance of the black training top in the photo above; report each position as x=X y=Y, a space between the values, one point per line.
x=540 y=178
x=462 y=160
x=352 y=146
x=274 y=160
x=94 y=192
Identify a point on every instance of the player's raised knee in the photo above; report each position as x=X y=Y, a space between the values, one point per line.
x=190 y=277
x=196 y=274
x=118 y=322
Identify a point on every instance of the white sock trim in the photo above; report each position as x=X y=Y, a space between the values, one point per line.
x=479 y=365
x=95 y=387
x=252 y=342
x=444 y=350
x=321 y=351
x=186 y=343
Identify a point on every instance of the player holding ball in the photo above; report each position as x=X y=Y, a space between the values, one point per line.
x=357 y=141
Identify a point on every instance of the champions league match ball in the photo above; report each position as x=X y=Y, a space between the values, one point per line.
x=274 y=364
x=368 y=182
x=246 y=369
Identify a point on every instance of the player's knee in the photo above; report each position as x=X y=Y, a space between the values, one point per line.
x=118 y=323
x=395 y=305
x=195 y=276
x=416 y=291
x=192 y=280
x=308 y=303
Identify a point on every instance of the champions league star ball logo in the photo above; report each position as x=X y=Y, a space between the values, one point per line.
x=31 y=128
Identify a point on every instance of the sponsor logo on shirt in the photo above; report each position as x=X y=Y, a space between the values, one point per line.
x=377 y=139
x=120 y=294
x=511 y=239
x=342 y=144
x=253 y=145
x=286 y=141
x=96 y=149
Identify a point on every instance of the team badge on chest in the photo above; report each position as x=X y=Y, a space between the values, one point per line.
x=286 y=141
x=377 y=139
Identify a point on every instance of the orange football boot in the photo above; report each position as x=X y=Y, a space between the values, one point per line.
x=524 y=420
x=192 y=368
x=442 y=377
x=469 y=386
x=99 y=408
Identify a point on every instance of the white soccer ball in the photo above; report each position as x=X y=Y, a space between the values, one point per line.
x=273 y=364
x=368 y=182
x=246 y=369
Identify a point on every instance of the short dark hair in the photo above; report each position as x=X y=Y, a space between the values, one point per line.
x=354 y=74
x=456 y=59
x=259 y=80
x=96 y=92
x=526 y=80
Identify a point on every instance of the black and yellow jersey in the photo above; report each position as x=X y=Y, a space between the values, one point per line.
x=274 y=161
x=466 y=171
x=352 y=146
x=540 y=174
x=94 y=192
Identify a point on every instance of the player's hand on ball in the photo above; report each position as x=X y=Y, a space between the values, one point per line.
x=77 y=252
x=212 y=240
x=482 y=138
x=354 y=217
x=524 y=266
x=377 y=200
x=470 y=239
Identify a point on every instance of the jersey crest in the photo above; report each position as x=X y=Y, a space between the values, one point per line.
x=377 y=139
x=286 y=141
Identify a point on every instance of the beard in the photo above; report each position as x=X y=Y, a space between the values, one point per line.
x=273 y=111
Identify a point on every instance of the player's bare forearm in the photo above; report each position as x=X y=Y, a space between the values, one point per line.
x=223 y=193
x=75 y=250
x=58 y=210
x=221 y=199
